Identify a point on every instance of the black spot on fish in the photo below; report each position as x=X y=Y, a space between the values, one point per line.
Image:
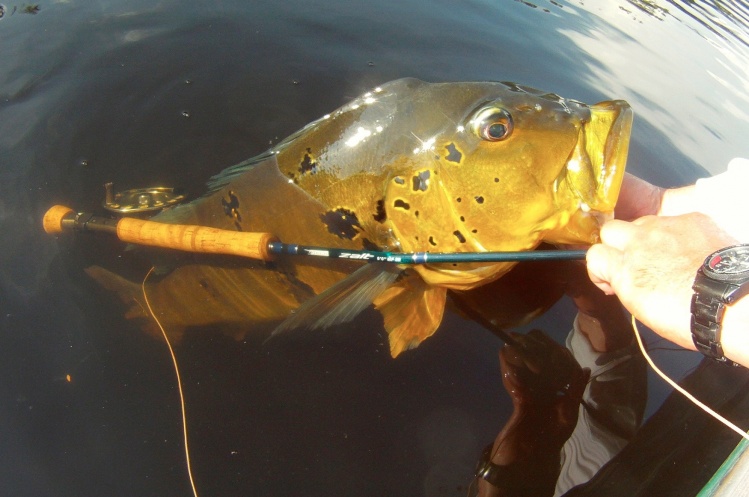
x=453 y=154
x=208 y=289
x=307 y=165
x=368 y=244
x=496 y=180
x=479 y=199
x=399 y=180
x=459 y=236
x=421 y=181
x=459 y=199
x=463 y=219
x=380 y=215
x=299 y=289
x=231 y=208
x=432 y=242
x=416 y=213
x=474 y=231
x=401 y=204
x=342 y=223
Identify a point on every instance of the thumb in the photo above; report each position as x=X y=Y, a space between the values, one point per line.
x=602 y=261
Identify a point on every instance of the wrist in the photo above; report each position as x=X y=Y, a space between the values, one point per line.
x=518 y=478
x=734 y=334
x=719 y=305
x=677 y=201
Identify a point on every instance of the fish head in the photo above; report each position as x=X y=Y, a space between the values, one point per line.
x=517 y=167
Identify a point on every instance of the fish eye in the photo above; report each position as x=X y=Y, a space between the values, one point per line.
x=492 y=124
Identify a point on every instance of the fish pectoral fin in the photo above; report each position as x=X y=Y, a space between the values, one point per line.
x=412 y=311
x=343 y=301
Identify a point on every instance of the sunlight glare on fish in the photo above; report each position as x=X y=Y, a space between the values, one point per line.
x=425 y=145
x=360 y=135
x=368 y=98
x=573 y=165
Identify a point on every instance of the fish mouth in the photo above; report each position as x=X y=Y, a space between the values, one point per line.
x=607 y=136
x=595 y=169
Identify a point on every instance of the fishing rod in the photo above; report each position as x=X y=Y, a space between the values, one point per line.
x=261 y=246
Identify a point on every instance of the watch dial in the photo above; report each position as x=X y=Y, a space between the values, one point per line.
x=731 y=260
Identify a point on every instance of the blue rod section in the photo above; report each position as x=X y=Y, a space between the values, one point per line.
x=425 y=257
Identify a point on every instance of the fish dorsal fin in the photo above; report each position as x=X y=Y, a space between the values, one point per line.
x=185 y=213
x=343 y=301
x=412 y=311
x=220 y=180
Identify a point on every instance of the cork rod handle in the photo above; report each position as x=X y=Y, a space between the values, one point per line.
x=192 y=238
x=201 y=239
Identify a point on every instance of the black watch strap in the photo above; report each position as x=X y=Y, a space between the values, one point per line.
x=708 y=305
x=510 y=477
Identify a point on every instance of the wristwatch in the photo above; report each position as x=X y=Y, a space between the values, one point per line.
x=721 y=280
x=514 y=477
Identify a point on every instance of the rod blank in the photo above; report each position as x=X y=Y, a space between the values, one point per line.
x=263 y=246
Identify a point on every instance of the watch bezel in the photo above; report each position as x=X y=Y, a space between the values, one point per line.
x=740 y=277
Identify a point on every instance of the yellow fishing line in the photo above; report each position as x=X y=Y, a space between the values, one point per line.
x=680 y=389
x=179 y=384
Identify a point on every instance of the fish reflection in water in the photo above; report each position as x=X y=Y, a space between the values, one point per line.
x=576 y=406
x=409 y=166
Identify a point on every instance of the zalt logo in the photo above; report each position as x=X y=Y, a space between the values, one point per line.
x=348 y=255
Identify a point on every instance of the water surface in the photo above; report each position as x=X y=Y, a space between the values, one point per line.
x=146 y=93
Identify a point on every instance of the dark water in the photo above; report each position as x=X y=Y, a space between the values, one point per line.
x=146 y=93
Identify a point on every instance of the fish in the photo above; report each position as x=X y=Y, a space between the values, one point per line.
x=409 y=166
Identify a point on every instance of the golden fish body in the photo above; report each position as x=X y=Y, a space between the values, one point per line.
x=416 y=166
x=409 y=166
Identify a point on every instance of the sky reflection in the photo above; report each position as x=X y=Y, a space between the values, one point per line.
x=642 y=61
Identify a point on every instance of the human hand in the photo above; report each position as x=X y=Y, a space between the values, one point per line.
x=541 y=375
x=650 y=265
x=637 y=198
x=600 y=317
x=546 y=385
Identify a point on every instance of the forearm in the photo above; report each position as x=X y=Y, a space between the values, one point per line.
x=735 y=334
x=651 y=265
x=678 y=201
x=530 y=464
x=722 y=197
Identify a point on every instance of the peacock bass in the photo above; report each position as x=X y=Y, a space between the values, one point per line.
x=409 y=166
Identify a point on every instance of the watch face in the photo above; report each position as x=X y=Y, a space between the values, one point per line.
x=731 y=263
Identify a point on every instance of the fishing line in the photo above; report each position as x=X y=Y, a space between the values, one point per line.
x=179 y=384
x=677 y=387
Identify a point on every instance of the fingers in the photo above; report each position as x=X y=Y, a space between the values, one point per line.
x=637 y=198
x=605 y=260
x=619 y=234
x=602 y=263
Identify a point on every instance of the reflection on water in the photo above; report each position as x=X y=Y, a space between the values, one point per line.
x=710 y=75
x=144 y=93
x=726 y=19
